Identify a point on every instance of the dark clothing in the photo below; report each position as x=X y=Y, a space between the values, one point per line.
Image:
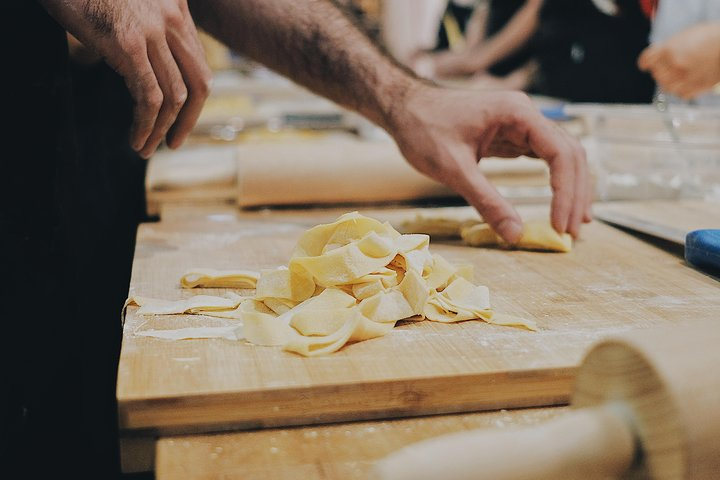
x=461 y=15
x=586 y=56
x=70 y=201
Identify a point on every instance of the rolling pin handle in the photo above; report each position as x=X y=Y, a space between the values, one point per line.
x=591 y=443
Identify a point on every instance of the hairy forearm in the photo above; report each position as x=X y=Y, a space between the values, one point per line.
x=316 y=45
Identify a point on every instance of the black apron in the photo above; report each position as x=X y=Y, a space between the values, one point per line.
x=587 y=56
x=70 y=201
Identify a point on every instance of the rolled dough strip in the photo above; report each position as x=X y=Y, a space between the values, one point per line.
x=206 y=278
x=347 y=170
x=331 y=171
x=436 y=227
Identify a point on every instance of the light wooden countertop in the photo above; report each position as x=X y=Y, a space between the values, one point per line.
x=327 y=452
x=611 y=282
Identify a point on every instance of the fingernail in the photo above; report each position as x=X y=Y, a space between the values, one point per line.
x=137 y=145
x=511 y=230
x=146 y=154
x=175 y=143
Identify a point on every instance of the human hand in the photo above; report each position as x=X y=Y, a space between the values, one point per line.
x=154 y=46
x=686 y=64
x=448 y=64
x=443 y=133
x=423 y=64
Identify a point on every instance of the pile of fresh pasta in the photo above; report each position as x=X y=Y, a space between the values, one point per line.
x=347 y=281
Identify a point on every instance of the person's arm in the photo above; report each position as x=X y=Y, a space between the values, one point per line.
x=688 y=63
x=153 y=45
x=513 y=36
x=518 y=79
x=494 y=48
x=442 y=133
x=475 y=27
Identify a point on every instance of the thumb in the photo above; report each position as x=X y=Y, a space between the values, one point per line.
x=493 y=208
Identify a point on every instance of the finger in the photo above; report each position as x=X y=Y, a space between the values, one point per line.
x=666 y=75
x=493 y=208
x=486 y=141
x=588 y=216
x=145 y=91
x=549 y=143
x=580 y=205
x=197 y=76
x=676 y=87
x=174 y=94
x=507 y=149
x=649 y=57
x=687 y=89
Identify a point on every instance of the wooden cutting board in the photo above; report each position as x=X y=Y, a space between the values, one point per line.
x=610 y=283
x=670 y=221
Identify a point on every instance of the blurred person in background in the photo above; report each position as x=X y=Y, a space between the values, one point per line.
x=684 y=57
x=587 y=50
x=496 y=50
x=576 y=50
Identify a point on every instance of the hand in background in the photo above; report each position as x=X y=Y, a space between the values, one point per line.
x=154 y=46
x=688 y=63
x=444 y=133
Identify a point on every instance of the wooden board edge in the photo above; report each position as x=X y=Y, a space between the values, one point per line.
x=247 y=410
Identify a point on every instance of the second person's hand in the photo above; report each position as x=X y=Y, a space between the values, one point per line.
x=688 y=63
x=154 y=46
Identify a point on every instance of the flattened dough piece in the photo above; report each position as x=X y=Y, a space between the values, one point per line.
x=537 y=234
x=207 y=278
x=198 y=304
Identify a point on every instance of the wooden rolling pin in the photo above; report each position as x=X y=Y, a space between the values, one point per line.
x=647 y=405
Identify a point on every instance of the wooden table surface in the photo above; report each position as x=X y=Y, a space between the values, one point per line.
x=610 y=283
x=326 y=452
x=245 y=172
x=668 y=220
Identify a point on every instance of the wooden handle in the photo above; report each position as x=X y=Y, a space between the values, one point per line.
x=592 y=443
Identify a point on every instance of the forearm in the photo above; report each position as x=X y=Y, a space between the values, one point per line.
x=513 y=36
x=316 y=45
x=476 y=26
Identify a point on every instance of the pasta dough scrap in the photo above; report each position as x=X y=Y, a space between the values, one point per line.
x=349 y=262
x=461 y=300
x=436 y=227
x=356 y=328
x=537 y=234
x=197 y=304
x=290 y=284
x=347 y=281
x=207 y=278
x=192 y=333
